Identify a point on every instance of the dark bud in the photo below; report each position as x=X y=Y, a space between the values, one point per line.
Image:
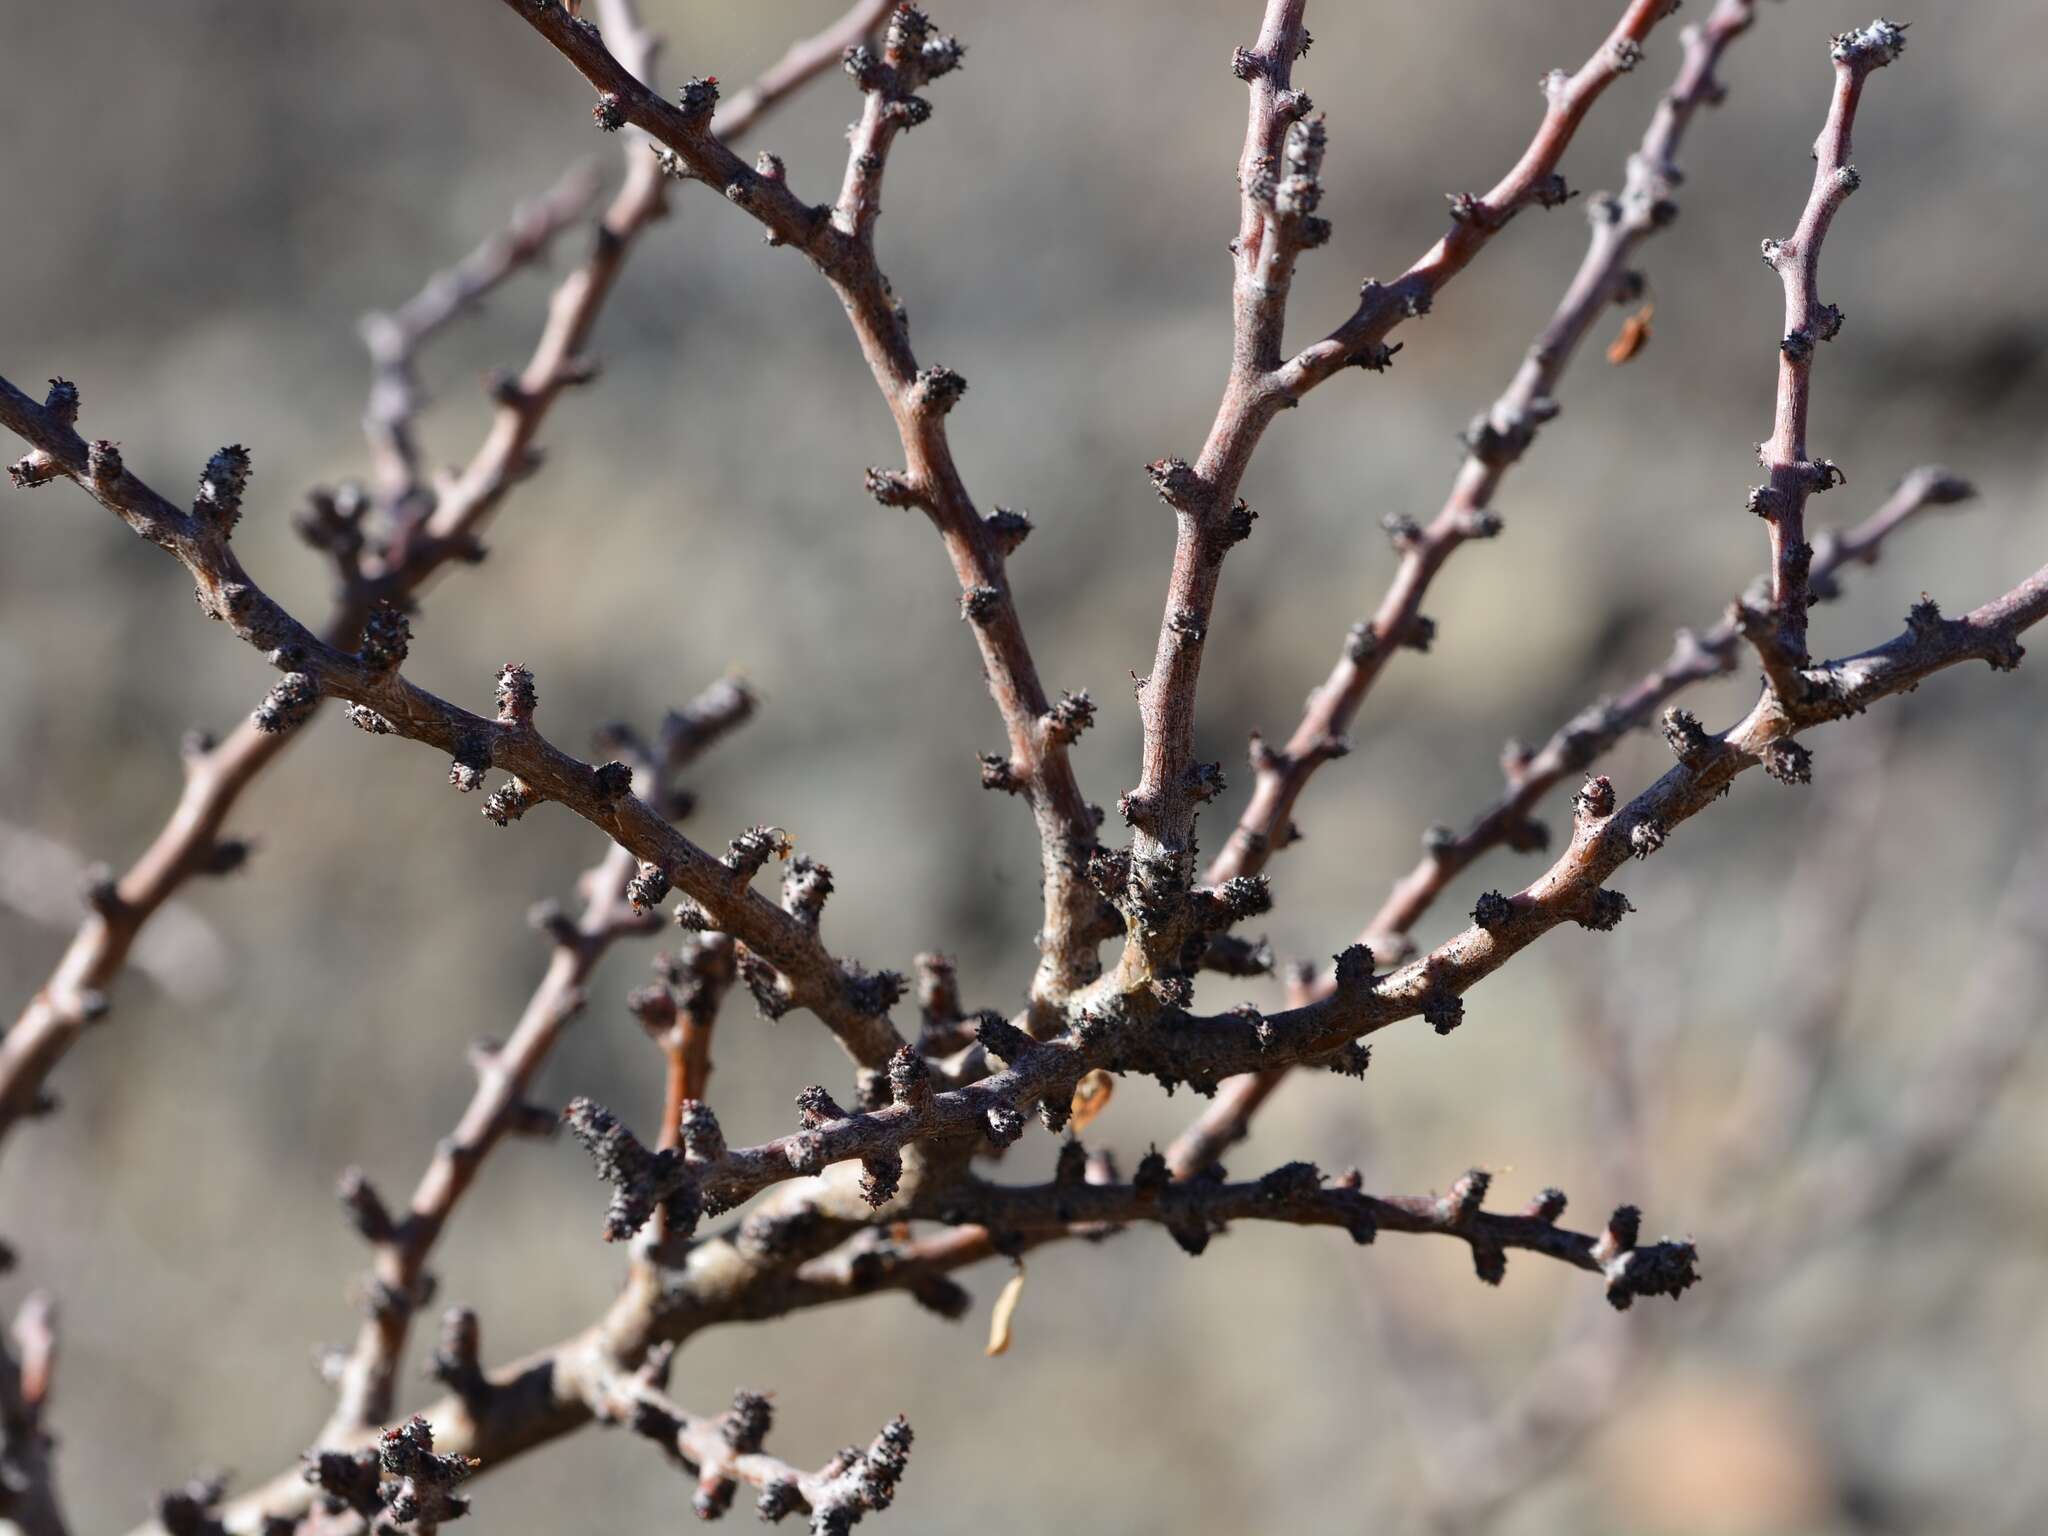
x=699 y=97
x=805 y=887
x=640 y=1179
x=1492 y=910
x=363 y=1206
x=1797 y=345
x=868 y=72
x=1175 y=481
x=516 y=695
x=1245 y=896
x=1005 y=1125
x=289 y=704
x=1351 y=1060
x=1000 y=1038
x=979 y=604
x=1074 y=713
x=1439 y=841
x=1595 y=797
x=1827 y=322
x=891 y=487
x=1237 y=527
x=1419 y=633
x=910 y=1080
x=1824 y=475
x=1605 y=910
x=1548 y=1206
x=1151 y=1179
x=1788 y=762
x=1467 y=1197
x=880 y=1177
x=779 y=1499
x=747 y=854
x=190 y=1510
x=221 y=483
x=225 y=855
x=1008 y=528
x=703 y=1140
x=1291 y=1181
x=1443 y=1011
x=387 y=636
x=458 y=1358
x=62 y=401
x=613 y=781
x=510 y=801
x=816 y=1107
x=1109 y=871
x=997 y=773
x=745 y=1427
x=32 y=470
x=1870 y=47
x=1378 y=357
x=1646 y=837
x=647 y=888
x=1686 y=736
x=1354 y=967
x=609 y=113
x=907 y=32
x=908 y=112
x=466 y=771
x=101 y=894
x=938 y=390
x=1528 y=836
x=713 y=1497
x=764 y=984
x=941 y=56
x=103 y=461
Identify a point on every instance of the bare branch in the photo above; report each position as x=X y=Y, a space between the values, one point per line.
x=366 y=1378
x=1171 y=784
x=839 y=242
x=1193 y=1212
x=191 y=842
x=852 y=1004
x=1792 y=475
x=395 y=338
x=1494 y=444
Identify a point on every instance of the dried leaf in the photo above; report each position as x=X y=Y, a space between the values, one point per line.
x=1091 y=1098
x=1634 y=336
x=1005 y=1310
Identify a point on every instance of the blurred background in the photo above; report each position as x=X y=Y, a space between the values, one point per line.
x=204 y=197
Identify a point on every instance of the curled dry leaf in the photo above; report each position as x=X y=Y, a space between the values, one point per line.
x=1091 y=1098
x=1005 y=1312
x=1633 y=336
